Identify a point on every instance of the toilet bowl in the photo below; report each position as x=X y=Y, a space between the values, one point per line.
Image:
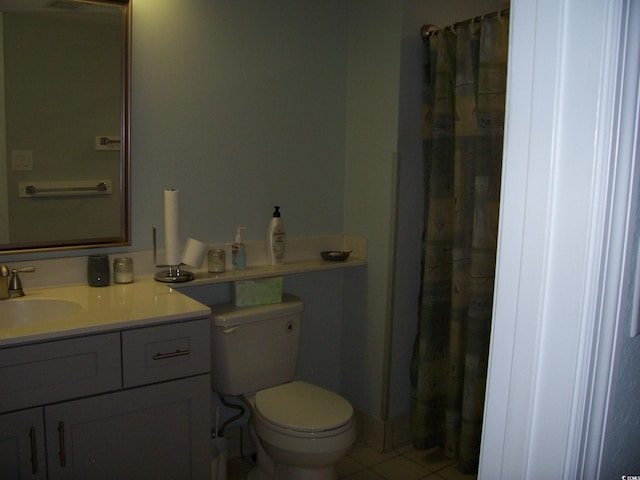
x=304 y=429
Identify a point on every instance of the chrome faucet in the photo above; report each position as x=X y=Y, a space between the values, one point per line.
x=15 y=285
x=4 y=285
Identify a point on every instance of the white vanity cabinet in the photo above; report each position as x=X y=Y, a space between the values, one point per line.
x=128 y=404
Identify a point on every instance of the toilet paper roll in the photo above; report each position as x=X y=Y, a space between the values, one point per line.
x=194 y=252
x=172 y=226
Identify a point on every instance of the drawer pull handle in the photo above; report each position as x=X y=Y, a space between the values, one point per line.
x=34 y=452
x=63 y=460
x=177 y=353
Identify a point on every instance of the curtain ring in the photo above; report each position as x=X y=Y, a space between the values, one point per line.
x=500 y=19
x=473 y=26
x=428 y=30
x=453 y=29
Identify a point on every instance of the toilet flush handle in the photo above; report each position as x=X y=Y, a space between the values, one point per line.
x=230 y=330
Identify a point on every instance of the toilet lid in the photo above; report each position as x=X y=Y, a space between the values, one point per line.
x=303 y=407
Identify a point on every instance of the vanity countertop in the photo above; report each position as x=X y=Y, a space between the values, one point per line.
x=103 y=309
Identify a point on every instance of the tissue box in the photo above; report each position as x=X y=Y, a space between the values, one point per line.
x=262 y=291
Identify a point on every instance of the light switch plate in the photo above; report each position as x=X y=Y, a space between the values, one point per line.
x=22 y=160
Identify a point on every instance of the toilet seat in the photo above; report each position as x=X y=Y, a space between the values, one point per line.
x=301 y=409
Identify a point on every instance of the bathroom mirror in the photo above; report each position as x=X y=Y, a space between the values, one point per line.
x=64 y=124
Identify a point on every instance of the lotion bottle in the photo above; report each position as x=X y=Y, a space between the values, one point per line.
x=238 y=257
x=276 y=239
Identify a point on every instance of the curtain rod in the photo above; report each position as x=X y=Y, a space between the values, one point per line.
x=427 y=30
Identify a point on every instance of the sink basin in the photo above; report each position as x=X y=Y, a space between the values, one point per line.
x=22 y=312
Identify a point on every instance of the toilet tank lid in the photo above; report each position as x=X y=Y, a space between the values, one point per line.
x=228 y=315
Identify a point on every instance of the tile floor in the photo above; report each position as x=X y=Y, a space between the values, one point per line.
x=365 y=463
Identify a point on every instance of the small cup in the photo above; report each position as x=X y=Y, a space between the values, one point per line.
x=98 y=271
x=216 y=259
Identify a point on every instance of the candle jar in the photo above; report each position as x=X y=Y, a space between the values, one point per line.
x=123 y=270
x=216 y=260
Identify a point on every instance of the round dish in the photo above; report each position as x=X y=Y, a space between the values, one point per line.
x=335 y=255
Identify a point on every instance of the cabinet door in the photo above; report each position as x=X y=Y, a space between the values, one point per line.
x=22 y=445
x=160 y=431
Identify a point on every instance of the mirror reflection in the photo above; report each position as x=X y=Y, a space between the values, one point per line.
x=63 y=124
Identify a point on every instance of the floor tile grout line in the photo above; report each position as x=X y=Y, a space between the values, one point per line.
x=431 y=469
x=407 y=454
x=374 y=460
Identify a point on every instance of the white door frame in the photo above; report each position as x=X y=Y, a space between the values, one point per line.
x=559 y=183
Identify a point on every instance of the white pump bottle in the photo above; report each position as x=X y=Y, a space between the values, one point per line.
x=276 y=239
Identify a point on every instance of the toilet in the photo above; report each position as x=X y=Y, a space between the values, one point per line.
x=301 y=430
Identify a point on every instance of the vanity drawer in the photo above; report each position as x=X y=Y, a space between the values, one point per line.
x=53 y=371
x=165 y=352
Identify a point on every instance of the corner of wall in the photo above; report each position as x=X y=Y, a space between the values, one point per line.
x=383 y=435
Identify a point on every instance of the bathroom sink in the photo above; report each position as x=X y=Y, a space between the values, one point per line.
x=32 y=311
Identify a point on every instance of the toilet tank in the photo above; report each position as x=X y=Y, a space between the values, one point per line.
x=253 y=348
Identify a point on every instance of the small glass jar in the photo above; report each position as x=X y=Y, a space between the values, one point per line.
x=216 y=259
x=123 y=270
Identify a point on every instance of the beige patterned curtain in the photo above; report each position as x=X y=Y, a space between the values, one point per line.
x=463 y=120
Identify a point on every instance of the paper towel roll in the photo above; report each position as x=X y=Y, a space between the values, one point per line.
x=172 y=226
x=194 y=252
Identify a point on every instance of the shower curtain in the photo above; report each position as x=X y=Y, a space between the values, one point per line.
x=463 y=120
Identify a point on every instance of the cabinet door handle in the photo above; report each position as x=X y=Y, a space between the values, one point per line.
x=63 y=460
x=34 y=452
x=177 y=353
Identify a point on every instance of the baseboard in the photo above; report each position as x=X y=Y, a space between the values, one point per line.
x=383 y=435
